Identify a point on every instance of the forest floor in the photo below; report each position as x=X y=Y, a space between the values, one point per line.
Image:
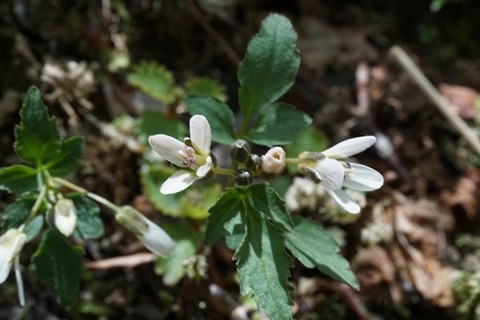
x=415 y=247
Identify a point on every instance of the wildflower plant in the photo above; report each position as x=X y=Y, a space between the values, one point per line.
x=249 y=214
x=61 y=211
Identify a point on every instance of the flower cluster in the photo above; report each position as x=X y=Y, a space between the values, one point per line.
x=333 y=169
x=192 y=157
x=330 y=167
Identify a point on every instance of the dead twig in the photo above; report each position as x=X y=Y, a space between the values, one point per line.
x=435 y=97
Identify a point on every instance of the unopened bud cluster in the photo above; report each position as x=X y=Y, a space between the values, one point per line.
x=249 y=165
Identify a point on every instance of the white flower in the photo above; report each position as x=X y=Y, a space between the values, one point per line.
x=193 y=159
x=65 y=216
x=152 y=236
x=273 y=161
x=11 y=243
x=333 y=169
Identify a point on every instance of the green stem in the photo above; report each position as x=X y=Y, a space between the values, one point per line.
x=226 y=172
x=83 y=191
x=292 y=160
x=37 y=204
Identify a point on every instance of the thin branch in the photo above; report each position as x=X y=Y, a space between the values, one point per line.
x=435 y=97
x=223 y=44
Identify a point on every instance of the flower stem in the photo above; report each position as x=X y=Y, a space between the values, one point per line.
x=91 y=195
x=292 y=160
x=36 y=205
x=224 y=171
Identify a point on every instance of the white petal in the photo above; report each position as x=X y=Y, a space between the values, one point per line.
x=363 y=178
x=331 y=172
x=11 y=243
x=178 y=181
x=5 y=266
x=156 y=239
x=167 y=148
x=203 y=170
x=200 y=134
x=344 y=200
x=65 y=216
x=350 y=147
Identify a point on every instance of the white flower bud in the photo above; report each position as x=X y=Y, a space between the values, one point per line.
x=11 y=243
x=152 y=236
x=273 y=161
x=65 y=216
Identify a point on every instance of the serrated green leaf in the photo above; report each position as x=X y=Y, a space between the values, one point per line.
x=89 y=223
x=219 y=116
x=68 y=157
x=235 y=240
x=315 y=248
x=155 y=80
x=278 y=124
x=263 y=267
x=205 y=87
x=266 y=200
x=16 y=214
x=270 y=65
x=187 y=238
x=59 y=266
x=37 y=137
x=18 y=178
x=225 y=214
x=152 y=122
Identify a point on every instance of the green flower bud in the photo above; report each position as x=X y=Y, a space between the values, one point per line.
x=243 y=177
x=240 y=150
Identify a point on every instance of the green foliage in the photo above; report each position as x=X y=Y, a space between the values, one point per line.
x=263 y=266
x=265 y=200
x=16 y=214
x=315 y=248
x=225 y=215
x=278 y=124
x=219 y=116
x=187 y=239
x=269 y=67
x=192 y=203
x=151 y=122
x=155 y=80
x=18 y=178
x=205 y=87
x=59 y=266
x=310 y=139
x=66 y=160
x=89 y=224
x=262 y=263
x=37 y=138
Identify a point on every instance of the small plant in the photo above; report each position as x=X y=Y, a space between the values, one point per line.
x=49 y=204
x=249 y=214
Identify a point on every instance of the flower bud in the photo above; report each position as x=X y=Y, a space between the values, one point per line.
x=273 y=161
x=240 y=150
x=65 y=216
x=152 y=236
x=11 y=243
x=243 y=177
x=253 y=162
